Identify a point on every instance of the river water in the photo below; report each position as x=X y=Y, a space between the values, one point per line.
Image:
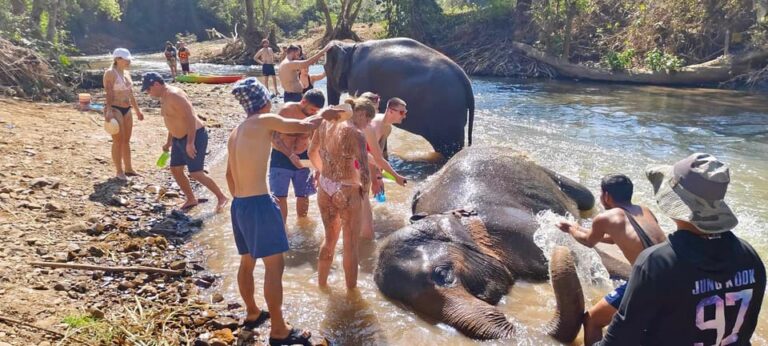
x=580 y=129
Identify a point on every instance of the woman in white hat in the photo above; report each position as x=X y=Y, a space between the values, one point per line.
x=120 y=101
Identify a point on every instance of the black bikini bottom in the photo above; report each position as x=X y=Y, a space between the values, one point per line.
x=123 y=110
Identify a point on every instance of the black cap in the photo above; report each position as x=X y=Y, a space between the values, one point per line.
x=149 y=79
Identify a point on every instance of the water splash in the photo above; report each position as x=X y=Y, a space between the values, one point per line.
x=588 y=264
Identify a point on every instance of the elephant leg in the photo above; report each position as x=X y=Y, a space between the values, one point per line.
x=578 y=193
x=448 y=142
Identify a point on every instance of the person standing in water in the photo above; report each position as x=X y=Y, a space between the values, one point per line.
x=184 y=57
x=187 y=139
x=119 y=102
x=288 y=150
x=307 y=80
x=632 y=227
x=170 y=57
x=342 y=188
x=290 y=68
x=256 y=221
x=376 y=139
x=266 y=57
x=704 y=285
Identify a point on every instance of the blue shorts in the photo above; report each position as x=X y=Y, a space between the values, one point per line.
x=292 y=97
x=258 y=226
x=179 y=155
x=280 y=178
x=614 y=298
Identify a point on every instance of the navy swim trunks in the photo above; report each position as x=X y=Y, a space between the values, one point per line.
x=258 y=226
x=268 y=69
x=179 y=155
x=614 y=298
x=280 y=178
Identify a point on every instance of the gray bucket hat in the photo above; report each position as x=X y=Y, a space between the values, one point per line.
x=693 y=190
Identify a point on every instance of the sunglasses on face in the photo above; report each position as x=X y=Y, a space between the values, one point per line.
x=401 y=111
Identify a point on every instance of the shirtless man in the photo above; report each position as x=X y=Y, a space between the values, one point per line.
x=290 y=68
x=632 y=227
x=266 y=57
x=376 y=137
x=288 y=150
x=256 y=222
x=187 y=139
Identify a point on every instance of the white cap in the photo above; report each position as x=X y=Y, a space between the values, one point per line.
x=122 y=53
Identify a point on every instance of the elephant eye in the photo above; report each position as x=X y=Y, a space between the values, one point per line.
x=443 y=276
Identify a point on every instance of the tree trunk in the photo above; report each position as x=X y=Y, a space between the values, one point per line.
x=522 y=20
x=343 y=30
x=34 y=18
x=53 y=16
x=252 y=37
x=570 y=12
x=328 y=20
x=708 y=73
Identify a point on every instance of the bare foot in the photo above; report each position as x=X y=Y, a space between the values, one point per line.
x=131 y=173
x=222 y=203
x=121 y=177
x=189 y=204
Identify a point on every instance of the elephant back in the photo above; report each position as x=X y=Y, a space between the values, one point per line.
x=485 y=177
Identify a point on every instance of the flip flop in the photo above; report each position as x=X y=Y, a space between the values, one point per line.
x=251 y=325
x=295 y=336
x=199 y=201
x=132 y=174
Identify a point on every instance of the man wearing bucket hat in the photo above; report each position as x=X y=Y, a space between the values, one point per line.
x=187 y=139
x=704 y=286
x=256 y=220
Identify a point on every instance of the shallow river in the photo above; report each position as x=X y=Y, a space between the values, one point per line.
x=582 y=130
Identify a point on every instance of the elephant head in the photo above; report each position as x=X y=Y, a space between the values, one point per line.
x=446 y=268
x=337 y=65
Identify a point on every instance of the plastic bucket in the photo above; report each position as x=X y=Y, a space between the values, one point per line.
x=85 y=101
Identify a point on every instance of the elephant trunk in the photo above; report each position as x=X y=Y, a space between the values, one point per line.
x=333 y=93
x=566 y=323
x=474 y=317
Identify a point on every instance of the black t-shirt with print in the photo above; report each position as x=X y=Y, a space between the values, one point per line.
x=691 y=291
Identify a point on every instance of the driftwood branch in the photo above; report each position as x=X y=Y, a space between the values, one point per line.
x=711 y=72
x=138 y=269
x=50 y=331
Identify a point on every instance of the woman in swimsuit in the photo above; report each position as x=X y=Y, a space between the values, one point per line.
x=307 y=81
x=334 y=149
x=120 y=99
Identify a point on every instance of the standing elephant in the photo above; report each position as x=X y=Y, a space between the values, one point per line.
x=454 y=268
x=438 y=92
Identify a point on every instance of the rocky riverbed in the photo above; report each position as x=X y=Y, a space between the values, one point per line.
x=137 y=279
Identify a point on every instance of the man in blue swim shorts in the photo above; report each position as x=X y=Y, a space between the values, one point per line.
x=288 y=150
x=256 y=220
x=187 y=139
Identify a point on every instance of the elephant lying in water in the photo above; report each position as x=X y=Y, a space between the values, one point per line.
x=453 y=267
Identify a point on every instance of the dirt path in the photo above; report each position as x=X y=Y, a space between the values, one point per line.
x=57 y=204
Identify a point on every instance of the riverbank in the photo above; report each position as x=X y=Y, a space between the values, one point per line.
x=59 y=206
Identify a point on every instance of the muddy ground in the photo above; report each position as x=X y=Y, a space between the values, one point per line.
x=59 y=205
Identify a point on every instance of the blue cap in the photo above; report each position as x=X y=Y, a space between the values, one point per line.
x=150 y=78
x=252 y=95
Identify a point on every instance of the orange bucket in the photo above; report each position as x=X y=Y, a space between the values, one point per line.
x=85 y=101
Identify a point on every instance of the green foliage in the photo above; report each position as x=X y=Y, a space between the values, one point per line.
x=64 y=60
x=93 y=329
x=656 y=60
x=619 y=61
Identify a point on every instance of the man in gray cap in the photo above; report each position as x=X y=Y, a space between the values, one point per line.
x=704 y=286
